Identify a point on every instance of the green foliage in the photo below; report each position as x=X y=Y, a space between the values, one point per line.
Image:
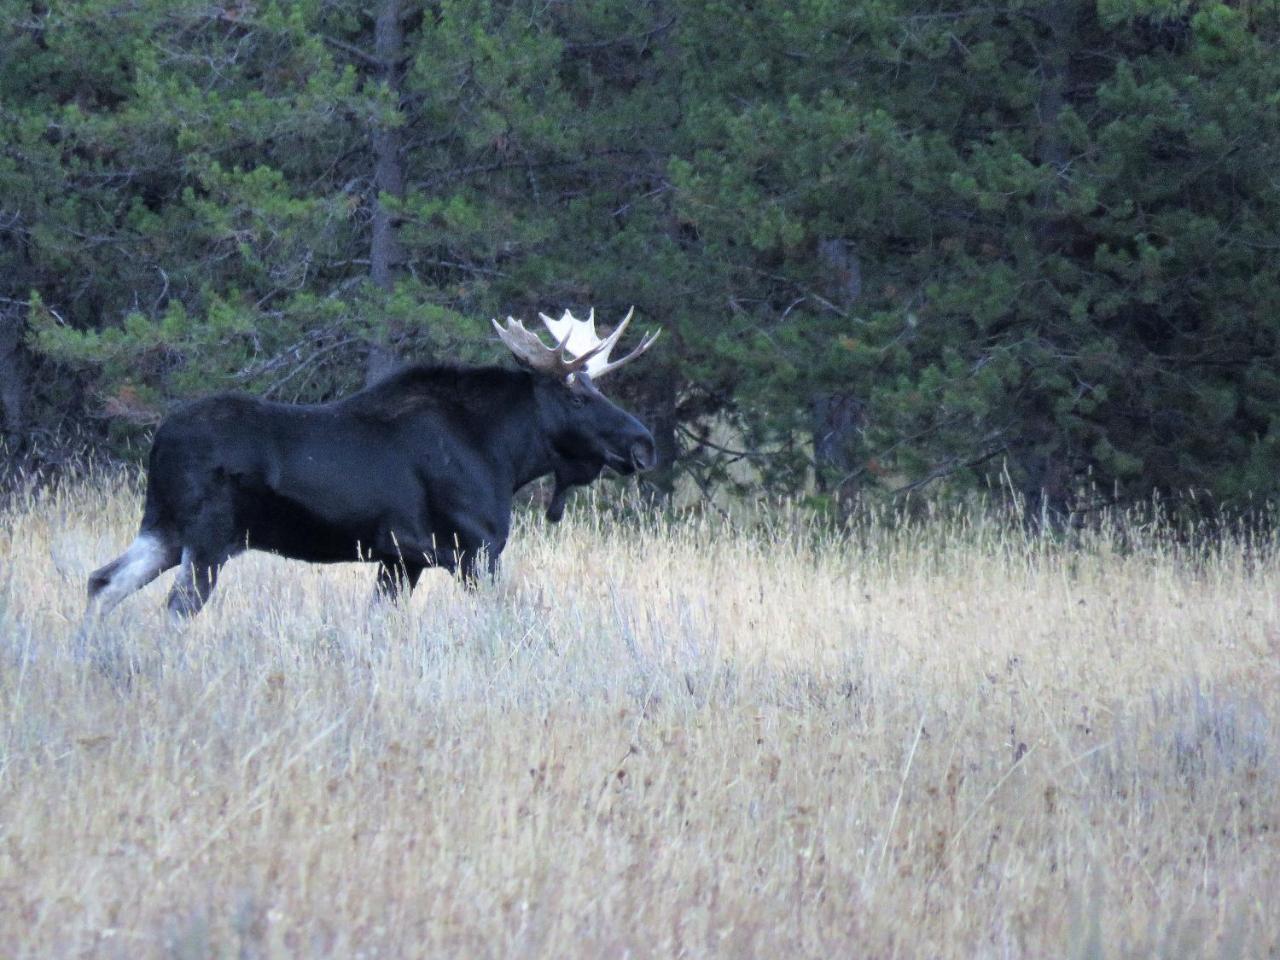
x=1064 y=224
x=1035 y=243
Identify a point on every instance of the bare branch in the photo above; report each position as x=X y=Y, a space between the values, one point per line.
x=749 y=454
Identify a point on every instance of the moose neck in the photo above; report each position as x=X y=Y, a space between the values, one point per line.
x=518 y=440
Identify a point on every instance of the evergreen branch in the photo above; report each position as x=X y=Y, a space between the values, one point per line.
x=948 y=469
x=623 y=40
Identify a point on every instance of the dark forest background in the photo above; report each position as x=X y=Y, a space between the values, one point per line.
x=892 y=245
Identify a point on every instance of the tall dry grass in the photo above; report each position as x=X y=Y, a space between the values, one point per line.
x=943 y=739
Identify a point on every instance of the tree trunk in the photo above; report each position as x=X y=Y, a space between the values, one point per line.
x=1045 y=484
x=836 y=420
x=14 y=382
x=388 y=180
x=657 y=411
x=837 y=415
x=1060 y=25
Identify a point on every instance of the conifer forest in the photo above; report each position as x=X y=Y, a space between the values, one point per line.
x=1028 y=246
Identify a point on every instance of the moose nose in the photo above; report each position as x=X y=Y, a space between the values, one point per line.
x=643 y=453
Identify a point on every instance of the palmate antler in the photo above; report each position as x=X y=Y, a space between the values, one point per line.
x=536 y=355
x=578 y=346
x=579 y=337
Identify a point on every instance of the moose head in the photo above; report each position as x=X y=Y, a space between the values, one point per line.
x=586 y=430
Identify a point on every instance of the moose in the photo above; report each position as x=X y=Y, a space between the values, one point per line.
x=418 y=470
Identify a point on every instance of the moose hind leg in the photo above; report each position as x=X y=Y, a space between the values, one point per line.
x=194 y=584
x=211 y=538
x=148 y=556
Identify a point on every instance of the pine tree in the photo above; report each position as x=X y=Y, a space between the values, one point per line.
x=1058 y=222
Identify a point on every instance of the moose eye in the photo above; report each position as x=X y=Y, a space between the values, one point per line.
x=577 y=399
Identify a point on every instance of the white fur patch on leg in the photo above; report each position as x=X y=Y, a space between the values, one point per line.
x=145 y=560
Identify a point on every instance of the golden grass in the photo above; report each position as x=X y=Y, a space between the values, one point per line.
x=943 y=740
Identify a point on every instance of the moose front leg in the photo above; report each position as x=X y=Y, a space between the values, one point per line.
x=397 y=577
x=463 y=547
x=471 y=549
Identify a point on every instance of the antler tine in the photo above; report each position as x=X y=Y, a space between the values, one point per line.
x=610 y=341
x=645 y=343
x=578 y=346
x=526 y=346
x=530 y=350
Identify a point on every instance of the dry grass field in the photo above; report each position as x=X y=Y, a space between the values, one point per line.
x=934 y=740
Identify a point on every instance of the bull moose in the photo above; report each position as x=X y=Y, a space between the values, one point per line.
x=415 y=471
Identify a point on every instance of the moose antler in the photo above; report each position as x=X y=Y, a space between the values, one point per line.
x=580 y=340
x=531 y=351
x=578 y=346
